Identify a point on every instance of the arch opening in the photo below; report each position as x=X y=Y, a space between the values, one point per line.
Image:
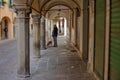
x=5 y=28
x=58 y=15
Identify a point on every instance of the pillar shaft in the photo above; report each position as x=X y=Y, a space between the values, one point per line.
x=63 y=26
x=36 y=35
x=23 y=69
x=42 y=40
x=59 y=26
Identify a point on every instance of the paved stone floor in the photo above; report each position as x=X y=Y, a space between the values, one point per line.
x=56 y=63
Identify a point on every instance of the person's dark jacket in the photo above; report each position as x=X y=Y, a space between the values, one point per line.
x=55 y=32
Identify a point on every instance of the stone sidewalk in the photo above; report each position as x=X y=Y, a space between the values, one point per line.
x=56 y=63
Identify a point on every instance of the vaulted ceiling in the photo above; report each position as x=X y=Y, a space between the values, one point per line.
x=58 y=11
x=42 y=6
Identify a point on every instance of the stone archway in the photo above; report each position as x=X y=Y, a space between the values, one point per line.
x=42 y=7
x=54 y=15
x=6 y=28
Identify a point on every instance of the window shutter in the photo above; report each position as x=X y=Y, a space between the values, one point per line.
x=114 y=73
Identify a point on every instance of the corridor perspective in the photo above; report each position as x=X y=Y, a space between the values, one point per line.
x=56 y=63
x=59 y=39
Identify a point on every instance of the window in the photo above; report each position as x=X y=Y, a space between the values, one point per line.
x=10 y=3
x=2 y=2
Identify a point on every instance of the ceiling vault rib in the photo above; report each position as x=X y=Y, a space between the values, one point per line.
x=39 y=4
x=32 y=2
x=34 y=9
x=27 y=1
x=47 y=1
x=57 y=9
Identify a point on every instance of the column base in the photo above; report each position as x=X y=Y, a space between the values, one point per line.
x=37 y=57
x=43 y=48
x=37 y=54
x=23 y=75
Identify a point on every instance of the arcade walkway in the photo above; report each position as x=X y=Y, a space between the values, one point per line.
x=56 y=63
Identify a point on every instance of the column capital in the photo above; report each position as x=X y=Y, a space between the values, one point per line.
x=23 y=13
x=36 y=18
x=21 y=7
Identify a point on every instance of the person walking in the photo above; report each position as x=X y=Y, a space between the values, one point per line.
x=54 y=35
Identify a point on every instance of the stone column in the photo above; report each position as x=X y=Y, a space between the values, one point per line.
x=59 y=21
x=90 y=64
x=107 y=41
x=75 y=28
x=85 y=30
x=36 y=35
x=63 y=26
x=23 y=64
x=42 y=32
